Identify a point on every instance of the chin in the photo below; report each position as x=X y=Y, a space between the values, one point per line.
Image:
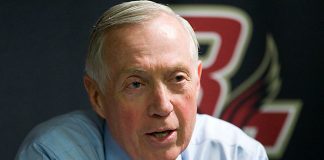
x=161 y=155
x=170 y=156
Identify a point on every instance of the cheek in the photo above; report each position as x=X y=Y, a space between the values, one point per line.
x=121 y=111
x=186 y=109
x=125 y=121
x=190 y=110
x=128 y=117
x=189 y=103
x=130 y=120
x=186 y=113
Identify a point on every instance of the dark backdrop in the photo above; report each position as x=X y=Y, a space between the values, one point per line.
x=43 y=45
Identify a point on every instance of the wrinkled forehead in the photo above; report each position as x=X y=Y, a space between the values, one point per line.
x=147 y=42
x=162 y=26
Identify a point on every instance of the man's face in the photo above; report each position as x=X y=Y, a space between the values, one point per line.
x=151 y=96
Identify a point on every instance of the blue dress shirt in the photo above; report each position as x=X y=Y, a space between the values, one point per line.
x=82 y=135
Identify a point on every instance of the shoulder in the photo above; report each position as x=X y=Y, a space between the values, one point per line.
x=224 y=140
x=64 y=136
x=210 y=128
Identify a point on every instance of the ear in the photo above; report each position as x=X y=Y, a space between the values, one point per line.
x=199 y=72
x=199 y=69
x=95 y=95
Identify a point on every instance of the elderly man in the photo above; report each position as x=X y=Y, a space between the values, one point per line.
x=142 y=78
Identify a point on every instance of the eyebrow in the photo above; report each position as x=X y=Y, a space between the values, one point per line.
x=139 y=70
x=133 y=70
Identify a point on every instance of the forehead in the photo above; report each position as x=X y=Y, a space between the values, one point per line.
x=161 y=24
x=163 y=37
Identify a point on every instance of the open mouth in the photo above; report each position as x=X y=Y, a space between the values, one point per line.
x=161 y=134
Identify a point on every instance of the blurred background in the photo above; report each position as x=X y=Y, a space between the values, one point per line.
x=262 y=60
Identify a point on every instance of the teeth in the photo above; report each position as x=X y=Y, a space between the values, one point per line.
x=160 y=134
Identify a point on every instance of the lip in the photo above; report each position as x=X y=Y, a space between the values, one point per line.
x=161 y=142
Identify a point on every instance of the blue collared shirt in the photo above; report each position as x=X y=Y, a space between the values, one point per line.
x=82 y=135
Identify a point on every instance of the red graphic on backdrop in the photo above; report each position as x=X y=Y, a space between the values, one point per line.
x=251 y=106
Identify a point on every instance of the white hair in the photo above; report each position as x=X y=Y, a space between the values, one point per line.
x=124 y=13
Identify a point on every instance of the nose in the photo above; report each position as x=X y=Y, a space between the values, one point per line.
x=160 y=105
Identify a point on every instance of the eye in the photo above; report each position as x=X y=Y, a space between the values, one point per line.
x=179 y=78
x=134 y=85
